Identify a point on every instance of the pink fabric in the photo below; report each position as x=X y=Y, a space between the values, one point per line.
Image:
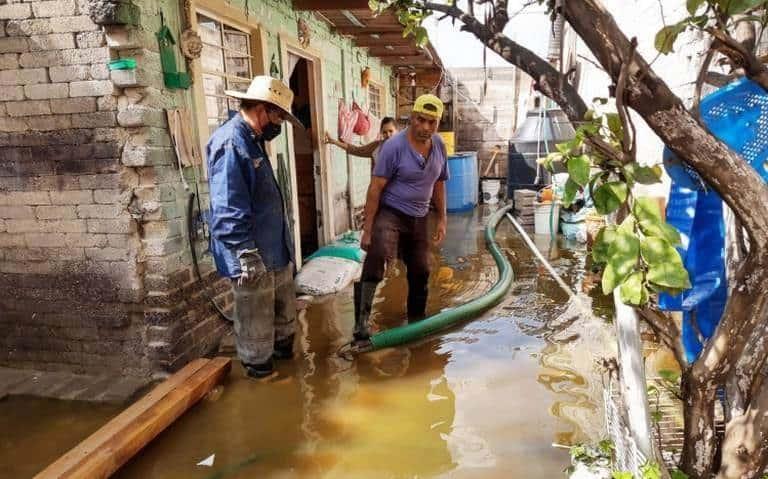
x=347 y=122
x=363 y=123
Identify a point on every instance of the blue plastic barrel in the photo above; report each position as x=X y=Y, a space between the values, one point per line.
x=462 y=185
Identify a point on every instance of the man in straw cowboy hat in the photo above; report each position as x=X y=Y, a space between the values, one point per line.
x=410 y=174
x=250 y=237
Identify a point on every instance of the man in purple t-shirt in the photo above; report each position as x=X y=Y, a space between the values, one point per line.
x=410 y=173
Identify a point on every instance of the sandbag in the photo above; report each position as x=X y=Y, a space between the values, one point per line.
x=326 y=275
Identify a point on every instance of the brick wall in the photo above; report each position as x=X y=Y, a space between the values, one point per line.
x=94 y=268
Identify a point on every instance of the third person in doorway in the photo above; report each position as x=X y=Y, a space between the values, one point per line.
x=410 y=174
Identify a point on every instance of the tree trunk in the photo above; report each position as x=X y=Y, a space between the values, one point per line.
x=745 y=441
x=699 y=445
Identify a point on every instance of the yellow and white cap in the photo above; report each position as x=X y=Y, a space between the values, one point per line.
x=429 y=105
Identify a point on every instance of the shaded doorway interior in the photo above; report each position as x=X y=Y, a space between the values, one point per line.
x=306 y=154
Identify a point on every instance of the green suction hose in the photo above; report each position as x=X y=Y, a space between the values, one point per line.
x=451 y=317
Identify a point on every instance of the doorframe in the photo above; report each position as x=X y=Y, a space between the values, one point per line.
x=323 y=188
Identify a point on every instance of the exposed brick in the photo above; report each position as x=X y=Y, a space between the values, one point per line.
x=28 y=108
x=25 y=198
x=108 y=197
x=23 y=76
x=124 y=225
x=107 y=103
x=118 y=241
x=54 y=41
x=11 y=93
x=45 y=240
x=91 y=88
x=85 y=240
x=88 y=56
x=17 y=212
x=12 y=125
x=15 y=11
x=7 y=239
x=107 y=181
x=106 y=254
x=9 y=61
x=49 y=122
x=100 y=211
x=47 y=226
x=28 y=27
x=41 y=59
x=2 y=28
x=90 y=39
x=71 y=197
x=2 y=109
x=56 y=212
x=147 y=156
x=69 y=73
x=56 y=8
x=81 y=23
x=45 y=91
x=94 y=120
x=141 y=116
x=99 y=71
x=74 y=105
x=13 y=44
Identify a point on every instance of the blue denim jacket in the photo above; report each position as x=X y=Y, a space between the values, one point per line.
x=246 y=202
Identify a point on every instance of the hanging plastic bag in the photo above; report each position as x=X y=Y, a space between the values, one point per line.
x=363 y=123
x=347 y=122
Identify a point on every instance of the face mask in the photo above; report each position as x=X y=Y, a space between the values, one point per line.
x=271 y=131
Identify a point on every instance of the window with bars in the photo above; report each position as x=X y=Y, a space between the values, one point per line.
x=226 y=65
x=375 y=100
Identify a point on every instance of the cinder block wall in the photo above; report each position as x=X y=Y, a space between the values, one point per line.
x=95 y=272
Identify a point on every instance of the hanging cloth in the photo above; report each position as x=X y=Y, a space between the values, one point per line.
x=185 y=146
x=347 y=122
x=363 y=123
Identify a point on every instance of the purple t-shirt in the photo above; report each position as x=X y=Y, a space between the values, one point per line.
x=411 y=178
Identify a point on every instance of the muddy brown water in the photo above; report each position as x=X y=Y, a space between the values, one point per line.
x=487 y=399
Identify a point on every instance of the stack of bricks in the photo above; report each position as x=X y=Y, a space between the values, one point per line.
x=524 y=207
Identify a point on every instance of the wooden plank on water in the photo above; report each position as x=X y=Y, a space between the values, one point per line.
x=106 y=450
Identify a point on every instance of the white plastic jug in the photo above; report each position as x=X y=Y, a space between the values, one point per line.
x=491 y=190
x=545 y=218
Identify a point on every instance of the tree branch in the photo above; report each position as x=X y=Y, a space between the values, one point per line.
x=668 y=332
x=700 y=81
x=739 y=56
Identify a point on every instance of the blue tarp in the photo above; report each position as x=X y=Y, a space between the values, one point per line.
x=737 y=114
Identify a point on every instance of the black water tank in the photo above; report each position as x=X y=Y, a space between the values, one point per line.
x=521 y=172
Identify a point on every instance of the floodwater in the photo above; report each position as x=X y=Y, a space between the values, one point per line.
x=486 y=400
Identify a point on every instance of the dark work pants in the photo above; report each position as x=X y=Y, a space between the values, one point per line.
x=397 y=234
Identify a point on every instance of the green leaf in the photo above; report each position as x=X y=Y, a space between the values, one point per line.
x=571 y=189
x=661 y=230
x=621 y=475
x=614 y=124
x=656 y=416
x=610 y=196
x=632 y=290
x=650 y=470
x=622 y=258
x=646 y=209
x=645 y=175
x=734 y=7
x=658 y=251
x=678 y=474
x=693 y=6
x=669 y=276
x=665 y=38
x=578 y=169
x=421 y=35
x=606 y=447
x=602 y=244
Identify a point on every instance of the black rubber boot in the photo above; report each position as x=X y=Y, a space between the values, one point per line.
x=284 y=348
x=364 y=293
x=260 y=371
x=418 y=291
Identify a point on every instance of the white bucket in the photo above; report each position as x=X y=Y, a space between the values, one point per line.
x=545 y=218
x=490 y=190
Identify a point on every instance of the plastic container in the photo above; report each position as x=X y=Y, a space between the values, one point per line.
x=490 y=190
x=449 y=138
x=461 y=187
x=545 y=218
x=123 y=64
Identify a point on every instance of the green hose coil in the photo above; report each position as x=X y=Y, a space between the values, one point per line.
x=450 y=317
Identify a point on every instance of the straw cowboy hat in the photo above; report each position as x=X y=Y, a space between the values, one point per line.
x=270 y=90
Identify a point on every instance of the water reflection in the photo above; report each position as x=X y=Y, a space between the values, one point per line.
x=486 y=399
